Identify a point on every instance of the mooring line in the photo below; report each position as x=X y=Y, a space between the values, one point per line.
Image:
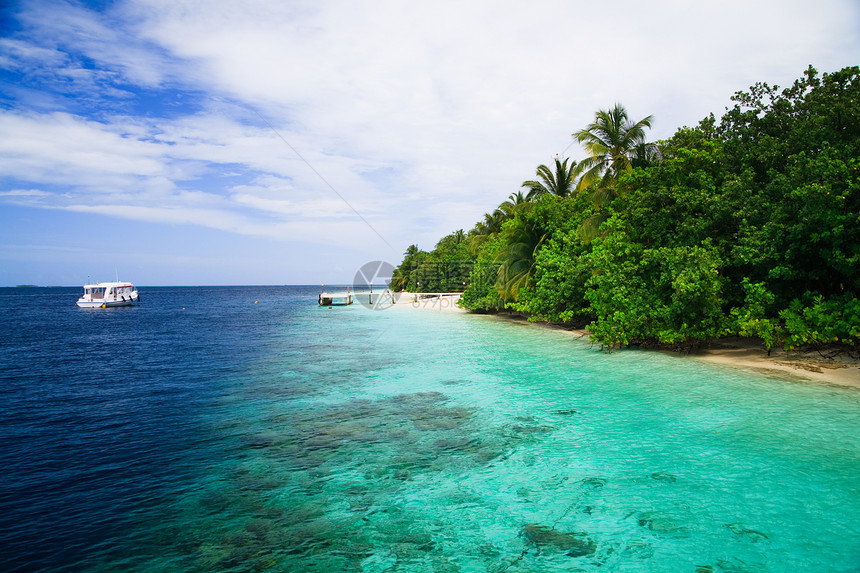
x=318 y=174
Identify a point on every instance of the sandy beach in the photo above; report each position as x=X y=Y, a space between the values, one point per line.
x=743 y=353
x=749 y=354
x=443 y=303
x=808 y=365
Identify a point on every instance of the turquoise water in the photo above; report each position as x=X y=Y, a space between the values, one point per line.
x=408 y=440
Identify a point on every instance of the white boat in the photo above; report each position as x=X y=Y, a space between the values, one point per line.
x=104 y=295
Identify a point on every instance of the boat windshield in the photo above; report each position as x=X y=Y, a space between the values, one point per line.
x=97 y=292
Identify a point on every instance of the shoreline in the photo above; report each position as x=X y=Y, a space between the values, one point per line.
x=749 y=354
x=438 y=303
x=741 y=353
x=806 y=366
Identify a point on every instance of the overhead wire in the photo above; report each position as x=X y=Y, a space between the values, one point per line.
x=323 y=179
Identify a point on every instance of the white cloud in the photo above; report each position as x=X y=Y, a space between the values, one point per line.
x=25 y=193
x=421 y=115
x=447 y=87
x=151 y=172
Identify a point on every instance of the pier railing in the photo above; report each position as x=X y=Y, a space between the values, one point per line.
x=376 y=297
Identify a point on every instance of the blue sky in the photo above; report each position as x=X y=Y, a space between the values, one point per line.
x=191 y=142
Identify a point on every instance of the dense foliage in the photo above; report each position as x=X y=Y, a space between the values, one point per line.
x=748 y=226
x=445 y=269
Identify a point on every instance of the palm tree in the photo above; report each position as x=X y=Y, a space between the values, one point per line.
x=485 y=229
x=645 y=154
x=517 y=258
x=517 y=198
x=514 y=202
x=558 y=183
x=614 y=145
x=411 y=261
x=612 y=142
x=491 y=224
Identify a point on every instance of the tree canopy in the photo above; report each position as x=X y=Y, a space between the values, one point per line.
x=746 y=226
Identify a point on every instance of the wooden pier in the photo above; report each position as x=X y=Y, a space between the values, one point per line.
x=384 y=297
x=348 y=297
x=336 y=298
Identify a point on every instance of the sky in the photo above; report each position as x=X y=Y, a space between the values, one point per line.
x=210 y=142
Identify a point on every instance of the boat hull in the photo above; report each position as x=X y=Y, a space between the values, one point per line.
x=105 y=304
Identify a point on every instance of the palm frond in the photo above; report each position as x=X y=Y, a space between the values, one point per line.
x=590 y=227
x=590 y=177
x=601 y=196
x=558 y=182
x=517 y=260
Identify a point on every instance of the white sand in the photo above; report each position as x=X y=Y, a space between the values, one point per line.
x=807 y=366
x=416 y=301
x=750 y=354
x=735 y=352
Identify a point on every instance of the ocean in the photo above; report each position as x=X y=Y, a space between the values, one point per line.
x=248 y=429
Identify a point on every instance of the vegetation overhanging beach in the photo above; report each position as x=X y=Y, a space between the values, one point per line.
x=736 y=241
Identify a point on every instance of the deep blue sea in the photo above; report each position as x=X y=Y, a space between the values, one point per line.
x=248 y=429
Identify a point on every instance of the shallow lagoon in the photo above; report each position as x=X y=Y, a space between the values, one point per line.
x=398 y=440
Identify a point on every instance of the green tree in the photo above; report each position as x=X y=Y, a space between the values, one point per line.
x=613 y=143
x=412 y=259
x=481 y=294
x=748 y=227
x=484 y=230
x=557 y=291
x=555 y=287
x=517 y=257
x=797 y=150
x=560 y=182
x=668 y=295
x=444 y=269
